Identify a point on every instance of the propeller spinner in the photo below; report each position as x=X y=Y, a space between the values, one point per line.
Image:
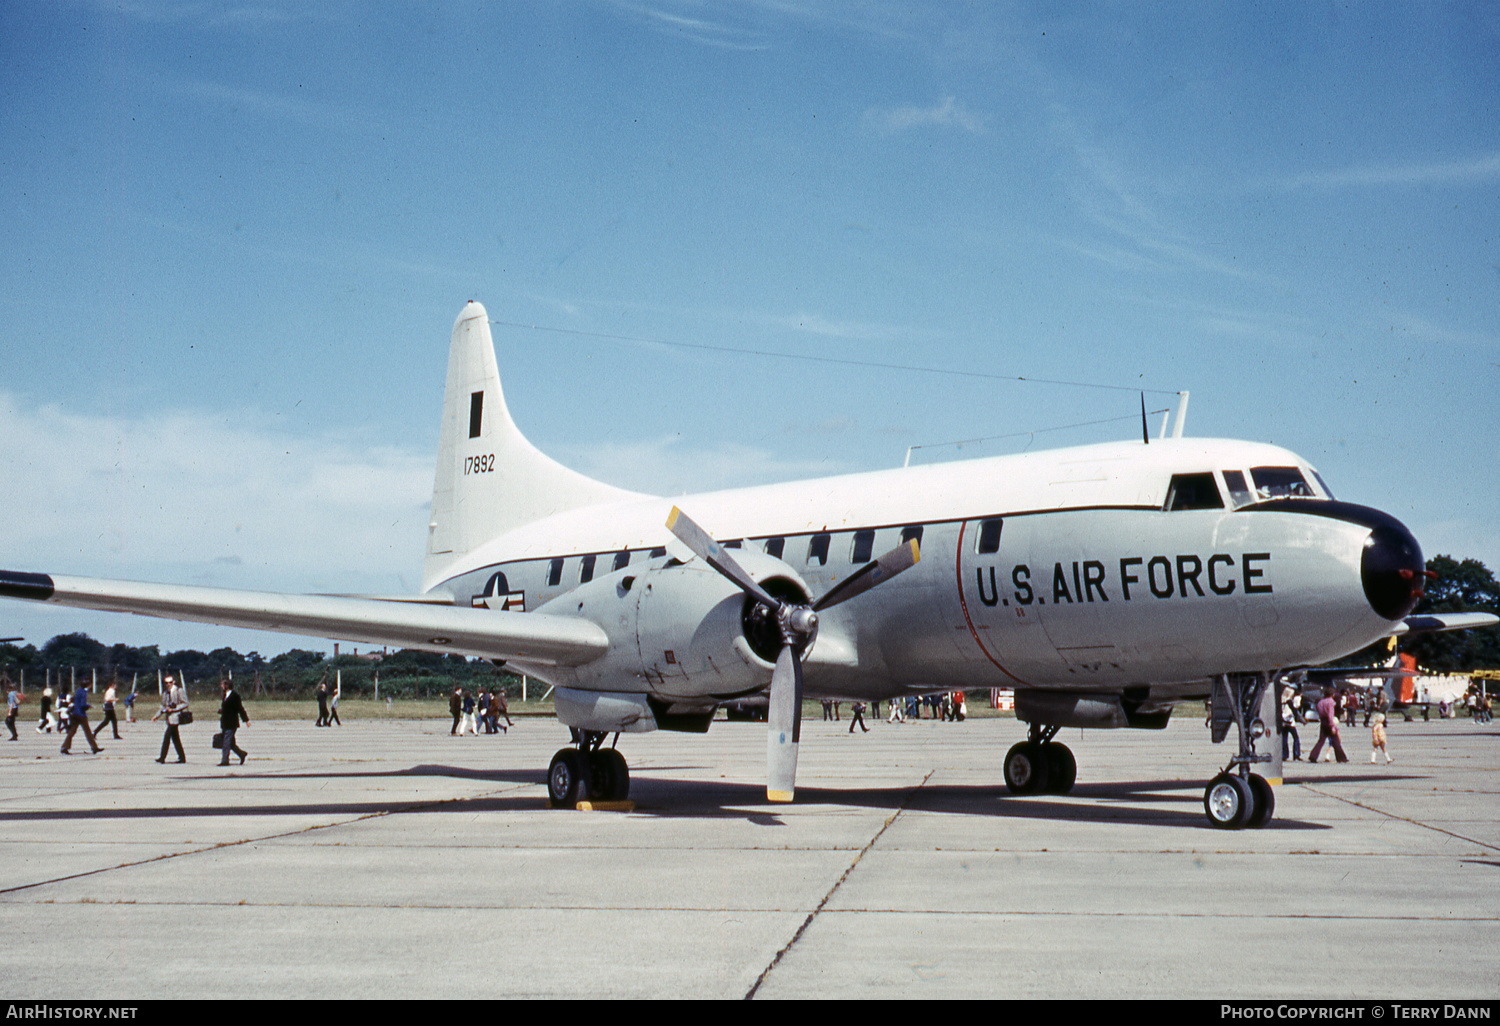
x=798 y=623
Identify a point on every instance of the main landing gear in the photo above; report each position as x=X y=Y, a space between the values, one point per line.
x=587 y=772
x=1039 y=764
x=1237 y=798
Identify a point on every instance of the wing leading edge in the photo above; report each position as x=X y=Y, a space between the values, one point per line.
x=523 y=637
x=1428 y=623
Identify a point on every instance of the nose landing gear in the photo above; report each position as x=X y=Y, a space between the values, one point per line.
x=1238 y=798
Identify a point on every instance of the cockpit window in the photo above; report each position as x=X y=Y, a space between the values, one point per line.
x=1194 y=491
x=1280 y=483
x=1239 y=491
x=1323 y=484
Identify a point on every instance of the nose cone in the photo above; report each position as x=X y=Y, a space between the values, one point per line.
x=1392 y=569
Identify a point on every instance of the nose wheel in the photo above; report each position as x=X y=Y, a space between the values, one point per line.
x=1238 y=798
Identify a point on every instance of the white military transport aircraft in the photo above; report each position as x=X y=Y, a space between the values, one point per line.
x=1103 y=583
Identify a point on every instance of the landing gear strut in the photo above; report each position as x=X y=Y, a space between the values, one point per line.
x=589 y=771
x=1237 y=798
x=1040 y=764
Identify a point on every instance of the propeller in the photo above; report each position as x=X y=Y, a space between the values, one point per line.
x=798 y=622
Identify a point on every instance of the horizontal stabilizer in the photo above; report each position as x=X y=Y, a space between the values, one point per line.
x=1429 y=623
x=542 y=639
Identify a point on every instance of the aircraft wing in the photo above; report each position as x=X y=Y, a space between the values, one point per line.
x=1428 y=623
x=490 y=634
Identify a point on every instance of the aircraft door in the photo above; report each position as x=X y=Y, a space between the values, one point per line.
x=997 y=598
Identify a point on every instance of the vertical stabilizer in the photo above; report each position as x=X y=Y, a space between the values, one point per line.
x=490 y=479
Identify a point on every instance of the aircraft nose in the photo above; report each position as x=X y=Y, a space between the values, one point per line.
x=1392 y=569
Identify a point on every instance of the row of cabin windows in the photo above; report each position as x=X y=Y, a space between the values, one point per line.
x=861 y=550
x=1186 y=492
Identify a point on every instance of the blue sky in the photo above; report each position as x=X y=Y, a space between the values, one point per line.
x=238 y=235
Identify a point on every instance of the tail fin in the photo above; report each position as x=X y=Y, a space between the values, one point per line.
x=490 y=479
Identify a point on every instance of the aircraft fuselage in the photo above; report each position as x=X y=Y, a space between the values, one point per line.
x=1100 y=568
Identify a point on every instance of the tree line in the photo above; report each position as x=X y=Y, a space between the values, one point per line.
x=406 y=673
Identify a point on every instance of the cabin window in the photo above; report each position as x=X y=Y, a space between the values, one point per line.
x=912 y=534
x=817 y=549
x=657 y=553
x=554 y=573
x=586 y=569
x=863 y=548
x=1239 y=492
x=622 y=559
x=736 y=544
x=775 y=546
x=1194 y=491
x=1280 y=483
x=989 y=537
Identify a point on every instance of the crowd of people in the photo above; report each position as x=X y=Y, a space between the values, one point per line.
x=1343 y=706
x=950 y=706
x=482 y=709
x=65 y=714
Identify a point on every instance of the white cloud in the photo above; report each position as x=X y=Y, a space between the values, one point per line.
x=949 y=113
x=1471 y=171
x=226 y=497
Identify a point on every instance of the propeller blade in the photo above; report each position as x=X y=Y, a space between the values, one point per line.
x=715 y=555
x=784 y=726
x=902 y=557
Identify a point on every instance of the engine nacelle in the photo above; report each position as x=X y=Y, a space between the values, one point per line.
x=680 y=632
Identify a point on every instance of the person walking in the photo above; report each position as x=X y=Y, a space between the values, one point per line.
x=456 y=707
x=500 y=705
x=1328 y=729
x=109 y=713
x=79 y=717
x=1377 y=738
x=468 y=722
x=323 y=704
x=173 y=704
x=495 y=724
x=45 y=723
x=1291 y=741
x=858 y=716
x=231 y=712
x=13 y=700
x=333 y=707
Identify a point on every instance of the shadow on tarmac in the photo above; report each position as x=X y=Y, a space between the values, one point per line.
x=1158 y=803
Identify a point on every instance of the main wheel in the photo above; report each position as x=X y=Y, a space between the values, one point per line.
x=1263 y=797
x=565 y=779
x=1228 y=801
x=1026 y=770
x=1062 y=768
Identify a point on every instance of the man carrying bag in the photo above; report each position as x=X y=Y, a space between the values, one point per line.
x=231 y=711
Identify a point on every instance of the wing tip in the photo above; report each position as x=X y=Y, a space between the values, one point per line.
x=37 y=587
